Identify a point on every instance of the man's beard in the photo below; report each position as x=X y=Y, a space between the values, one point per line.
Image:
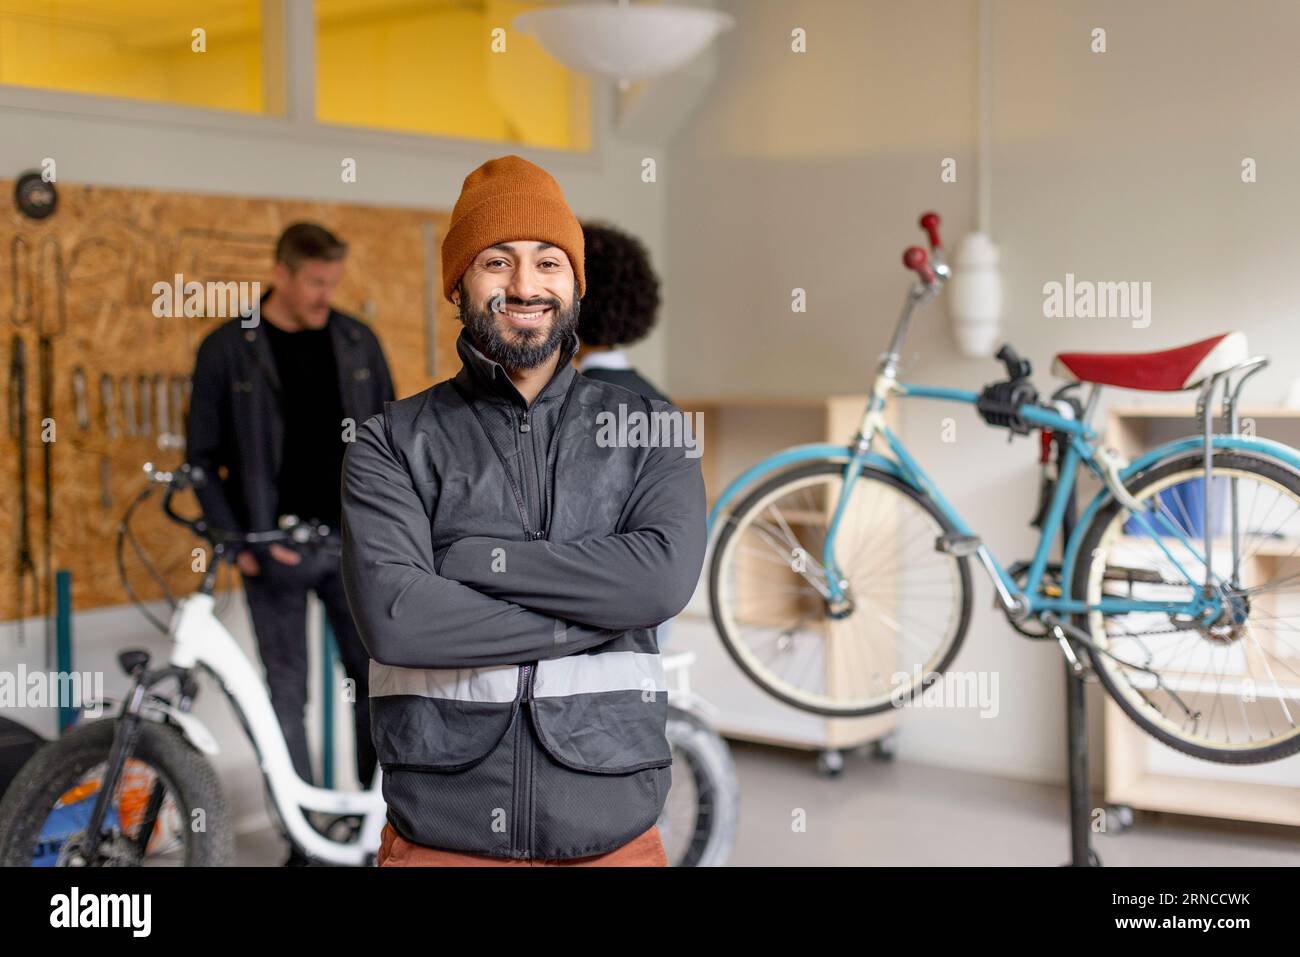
x=520 y=348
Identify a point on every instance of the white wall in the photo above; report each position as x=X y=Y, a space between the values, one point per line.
x=810 y=170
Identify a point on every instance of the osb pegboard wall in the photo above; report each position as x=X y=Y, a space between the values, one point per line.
x=83 y=279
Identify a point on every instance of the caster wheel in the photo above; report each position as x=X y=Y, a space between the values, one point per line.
x=1119 y=818
x=886 y=748
x=830 y=764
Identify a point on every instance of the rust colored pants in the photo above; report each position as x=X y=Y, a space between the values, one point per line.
x=395 y=851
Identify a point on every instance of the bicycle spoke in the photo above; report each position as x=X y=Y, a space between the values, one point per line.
x=1224 y=681
x=903 y=596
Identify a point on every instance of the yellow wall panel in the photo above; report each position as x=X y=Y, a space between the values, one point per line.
x=138 y=49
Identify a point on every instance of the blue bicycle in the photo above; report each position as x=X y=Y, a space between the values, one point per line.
x=840 y=580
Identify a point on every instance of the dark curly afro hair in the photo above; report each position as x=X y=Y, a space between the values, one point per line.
x=622 y=298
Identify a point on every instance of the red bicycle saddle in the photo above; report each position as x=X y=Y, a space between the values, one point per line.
x=1169 y=371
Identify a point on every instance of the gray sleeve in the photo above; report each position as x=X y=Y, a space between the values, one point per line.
x=639 y=577
x=408 y=615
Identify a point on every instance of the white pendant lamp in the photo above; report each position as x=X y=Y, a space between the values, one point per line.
x=975 y=302
x=625 y=42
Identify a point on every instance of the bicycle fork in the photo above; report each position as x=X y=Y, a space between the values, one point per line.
x=125 y=737
x=839 y=603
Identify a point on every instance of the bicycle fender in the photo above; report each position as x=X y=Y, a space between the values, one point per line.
x=1265 y=448
x=795 y=455
x=195 y=731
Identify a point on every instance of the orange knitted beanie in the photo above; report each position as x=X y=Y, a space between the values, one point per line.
x=509 y=198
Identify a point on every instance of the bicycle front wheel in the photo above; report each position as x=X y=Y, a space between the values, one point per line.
x=908 y=602
x=166 y=811
x=1227 y=689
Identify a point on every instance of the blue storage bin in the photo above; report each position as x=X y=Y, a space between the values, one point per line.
x=1186 y=503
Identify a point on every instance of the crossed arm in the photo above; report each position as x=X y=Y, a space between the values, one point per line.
x=637 y=578
x=555 y=599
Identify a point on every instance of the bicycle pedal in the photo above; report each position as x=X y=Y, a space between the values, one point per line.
x=958 y=545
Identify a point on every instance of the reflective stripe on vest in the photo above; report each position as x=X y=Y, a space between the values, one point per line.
x=556 y=678
x=598 y=673
x=498 y=683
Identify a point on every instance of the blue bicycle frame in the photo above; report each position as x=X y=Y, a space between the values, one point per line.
x=1082 y=449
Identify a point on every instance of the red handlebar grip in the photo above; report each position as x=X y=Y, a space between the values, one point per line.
x=914 y=257
x=930 y=222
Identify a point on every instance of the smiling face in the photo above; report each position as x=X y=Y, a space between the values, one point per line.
x=519 y=301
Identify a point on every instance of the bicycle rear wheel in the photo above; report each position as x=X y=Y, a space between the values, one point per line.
x=1226 y=690
x=701 y=812
x=909 y=602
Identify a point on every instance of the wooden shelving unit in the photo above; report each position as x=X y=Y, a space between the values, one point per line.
x=1143 y=773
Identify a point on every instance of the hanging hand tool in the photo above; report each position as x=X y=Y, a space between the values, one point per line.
x=178 y=408
x=129 y=422
x=25 y=566
x=108 y=406
x=52 y=323
x=79 y=402
x=20 y=281
x=144 y=395
x=167 y=438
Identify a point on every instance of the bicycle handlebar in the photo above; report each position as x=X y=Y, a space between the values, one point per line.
x=931 y=267
x=914 y=258
x=188 y=476
x=930 y=222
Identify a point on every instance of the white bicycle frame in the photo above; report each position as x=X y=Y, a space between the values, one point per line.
x=199 y=638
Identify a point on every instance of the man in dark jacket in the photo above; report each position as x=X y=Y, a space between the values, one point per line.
x=508 y=556
x=277 y=398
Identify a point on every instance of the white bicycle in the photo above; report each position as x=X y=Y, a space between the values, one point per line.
x=135 y=788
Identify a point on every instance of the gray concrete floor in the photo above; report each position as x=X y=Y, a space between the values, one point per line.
x=897 y=814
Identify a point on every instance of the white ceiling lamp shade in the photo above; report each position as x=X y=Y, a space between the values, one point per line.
x=975 y=297
x=623 y=42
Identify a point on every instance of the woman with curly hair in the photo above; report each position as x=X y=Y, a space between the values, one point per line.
x=619 y=308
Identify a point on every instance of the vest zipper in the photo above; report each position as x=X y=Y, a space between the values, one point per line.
x=532 y=482
x=523 y=770
x=533 y=530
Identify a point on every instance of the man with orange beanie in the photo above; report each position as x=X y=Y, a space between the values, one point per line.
x=508 y=557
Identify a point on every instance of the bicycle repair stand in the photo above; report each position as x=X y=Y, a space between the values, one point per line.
x=1076 y=671
x=1076 y=737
